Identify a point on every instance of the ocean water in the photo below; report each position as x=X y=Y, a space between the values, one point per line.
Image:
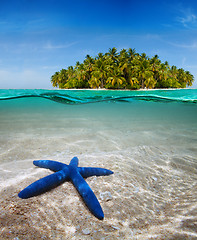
x=148 y=138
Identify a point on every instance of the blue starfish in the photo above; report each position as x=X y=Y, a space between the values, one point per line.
x=64 y=172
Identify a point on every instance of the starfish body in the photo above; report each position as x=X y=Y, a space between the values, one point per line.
x=64 y=172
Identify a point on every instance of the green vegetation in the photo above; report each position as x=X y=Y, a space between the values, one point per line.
x=124 y=70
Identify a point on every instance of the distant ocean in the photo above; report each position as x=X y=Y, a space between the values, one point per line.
x=148 y=138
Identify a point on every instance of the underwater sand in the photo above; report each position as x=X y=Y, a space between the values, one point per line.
x=150 y=146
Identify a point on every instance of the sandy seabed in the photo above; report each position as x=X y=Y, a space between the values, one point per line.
x=151 y=148
x=149 y=196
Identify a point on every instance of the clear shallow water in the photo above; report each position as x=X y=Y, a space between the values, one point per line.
x=148 y=141
x=90 y=96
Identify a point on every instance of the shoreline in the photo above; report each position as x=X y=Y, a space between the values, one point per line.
x=98 y=89
x=105 y=89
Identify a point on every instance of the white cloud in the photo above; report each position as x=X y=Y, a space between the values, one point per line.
x=151 y=36
x=50 y=67
x=191 y=46
x=49 y=45
x=188 y=18
x=24 y=47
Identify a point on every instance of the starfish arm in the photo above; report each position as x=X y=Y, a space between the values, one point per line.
x=89 y=171
x=86 y=193
x=74 y=162
x=52 y=165
x=44 y=184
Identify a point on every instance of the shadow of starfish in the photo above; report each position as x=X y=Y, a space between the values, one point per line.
x=64 y=172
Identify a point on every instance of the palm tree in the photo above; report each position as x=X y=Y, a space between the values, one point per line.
x=173 y=79
x=115 y=80
x=113 y=54
x=88 y=64
x=123 y=55
x=142 y=67
x=70 y=72
x=134 y=83
x=124 y=64
x=190 y=78
x=94 y=82
x=55 y=79
x=181 y=77
x=143 y=56
x=100 y=71
x=162 y=76
x=132 y=54
x=185 y=78
x=126 y=69
x=71 y=75
x=155 y=64
x=149 y=80
x=59 y=79
x=63 y=75
x=82 y=75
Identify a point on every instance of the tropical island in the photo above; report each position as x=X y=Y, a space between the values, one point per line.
x=122 y=70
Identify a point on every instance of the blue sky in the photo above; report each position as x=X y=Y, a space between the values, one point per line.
x=40 y=37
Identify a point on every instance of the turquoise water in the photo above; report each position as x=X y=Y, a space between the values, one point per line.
x=148 y=138
x=92 y=96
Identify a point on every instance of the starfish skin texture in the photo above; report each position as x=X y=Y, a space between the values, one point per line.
x=64 y=172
